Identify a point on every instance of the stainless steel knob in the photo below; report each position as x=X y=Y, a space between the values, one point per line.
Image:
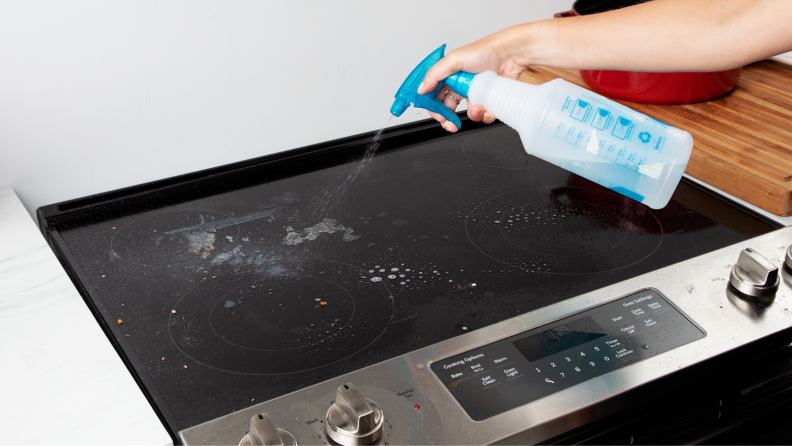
x=353 y=419
x=263 y=432
x=788 y=258
x=754 y=275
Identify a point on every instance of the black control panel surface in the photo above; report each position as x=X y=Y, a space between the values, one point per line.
x=517 y=370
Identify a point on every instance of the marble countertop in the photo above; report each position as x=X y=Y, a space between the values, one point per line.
x=62 y=381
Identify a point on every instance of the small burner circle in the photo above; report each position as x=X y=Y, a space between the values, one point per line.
x=258 y=317
x=277 y=318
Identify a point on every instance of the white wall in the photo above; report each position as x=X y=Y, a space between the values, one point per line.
x=98 y=95
x=784 y=57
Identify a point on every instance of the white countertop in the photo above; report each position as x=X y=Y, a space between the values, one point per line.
x=61 y=381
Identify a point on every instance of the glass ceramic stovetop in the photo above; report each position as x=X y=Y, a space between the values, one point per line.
x=227 y=298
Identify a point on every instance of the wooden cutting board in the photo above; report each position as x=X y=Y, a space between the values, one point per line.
x=742 y=141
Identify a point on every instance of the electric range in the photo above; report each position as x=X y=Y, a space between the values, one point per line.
x=415 y=287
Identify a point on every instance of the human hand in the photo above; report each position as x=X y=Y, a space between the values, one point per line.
x=499 y=52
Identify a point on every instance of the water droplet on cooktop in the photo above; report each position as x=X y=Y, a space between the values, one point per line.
x=371 y=270
x=382 y=270
x=376 y=279
x=404 y=283
x=464 y=328
x=394 y=269
x=392 y=276
x=497 y=221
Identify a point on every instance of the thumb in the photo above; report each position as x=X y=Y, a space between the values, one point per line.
x=441 y=70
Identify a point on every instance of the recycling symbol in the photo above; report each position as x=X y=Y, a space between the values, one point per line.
x=645 y=136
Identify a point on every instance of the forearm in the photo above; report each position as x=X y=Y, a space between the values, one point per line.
x=663 y=35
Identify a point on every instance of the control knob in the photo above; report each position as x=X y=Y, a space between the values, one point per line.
x=353 y=419
x=788 y=259
x=754 y=275
x=263 y=432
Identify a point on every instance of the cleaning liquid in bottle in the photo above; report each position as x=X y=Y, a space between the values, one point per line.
x=571 y=127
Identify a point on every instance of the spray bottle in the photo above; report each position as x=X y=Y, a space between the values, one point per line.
x=571 y=127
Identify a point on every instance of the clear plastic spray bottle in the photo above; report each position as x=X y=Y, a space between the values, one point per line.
x=571 y=127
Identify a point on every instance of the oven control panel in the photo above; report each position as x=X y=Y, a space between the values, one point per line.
x=514 y=371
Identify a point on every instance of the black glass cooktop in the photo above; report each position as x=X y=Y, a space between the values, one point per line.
x=229 y=287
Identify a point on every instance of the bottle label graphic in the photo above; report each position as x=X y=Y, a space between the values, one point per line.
x=605 y=142
x=586 y=134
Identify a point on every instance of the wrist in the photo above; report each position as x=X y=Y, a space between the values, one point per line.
x=534 y=43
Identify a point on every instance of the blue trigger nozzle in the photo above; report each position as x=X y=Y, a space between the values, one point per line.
x=399 y=107
x=408 y=92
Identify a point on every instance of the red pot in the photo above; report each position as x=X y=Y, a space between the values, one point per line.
x=651 y=88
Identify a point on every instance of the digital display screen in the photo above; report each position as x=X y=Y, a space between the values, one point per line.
x=559 y=338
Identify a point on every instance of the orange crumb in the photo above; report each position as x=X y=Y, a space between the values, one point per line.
x=185 y=367
x=206 y=272
x=120 y=322
x=178 y=251
x=208 y=249
x=173 y=311
x=94 y=242
x=163 y=358
x=114 y=228
x=323 y=303
x=127 y=335
x=213 y=277
x=450 y=280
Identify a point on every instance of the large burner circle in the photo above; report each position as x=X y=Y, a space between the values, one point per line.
x=564 y=230
x=285 y=317
x=175 y=238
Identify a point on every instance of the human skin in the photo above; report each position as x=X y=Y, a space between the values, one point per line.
x=658 y=36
